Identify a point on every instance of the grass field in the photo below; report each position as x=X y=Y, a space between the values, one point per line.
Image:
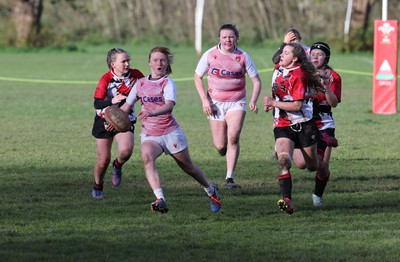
x=48 y=154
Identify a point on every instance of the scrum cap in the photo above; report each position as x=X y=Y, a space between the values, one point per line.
x=324 y=47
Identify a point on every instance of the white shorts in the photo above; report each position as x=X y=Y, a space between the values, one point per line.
x=221 y=108
x=171 y=143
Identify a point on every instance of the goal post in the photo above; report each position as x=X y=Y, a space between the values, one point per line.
x=198 y=25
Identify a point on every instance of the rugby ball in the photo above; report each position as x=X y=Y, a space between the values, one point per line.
x=117 y=118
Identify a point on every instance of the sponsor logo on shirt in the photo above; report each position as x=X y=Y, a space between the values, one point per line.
x=150 y=99
x=223 y=72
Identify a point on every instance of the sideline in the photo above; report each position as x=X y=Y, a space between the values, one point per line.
x=182 y=79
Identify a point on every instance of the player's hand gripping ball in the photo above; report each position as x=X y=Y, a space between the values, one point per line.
x=117 y=118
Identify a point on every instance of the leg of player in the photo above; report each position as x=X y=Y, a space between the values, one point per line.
x=125 y=142
x=284 y=148
x=321 y=179
x=103 y=160
x=185 y=162
x=311 y=157
x=150 y=152
x=234 y=120
x=218 y=132
x=298 y=158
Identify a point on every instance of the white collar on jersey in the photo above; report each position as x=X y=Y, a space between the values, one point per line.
x=283 y=70
x=219 y=48
x=117 y=78
x=156 y=79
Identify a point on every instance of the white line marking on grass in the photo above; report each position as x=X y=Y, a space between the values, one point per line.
x=182 y=79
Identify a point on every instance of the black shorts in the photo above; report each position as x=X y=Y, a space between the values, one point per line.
x=303 y=134
x=99 y=131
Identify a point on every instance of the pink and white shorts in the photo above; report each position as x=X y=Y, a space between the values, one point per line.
x=221 y=108
x=171 y=143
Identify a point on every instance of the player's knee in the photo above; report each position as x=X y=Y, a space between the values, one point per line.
x=103 y=163
x=125 y=153
x=234 y=139
x=221 y=149
x=284 y=161
x=147 y=159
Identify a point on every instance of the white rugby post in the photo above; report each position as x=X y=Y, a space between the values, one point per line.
x=384 y=10
x=198 y=25
x=384 y=90
x=347 y=21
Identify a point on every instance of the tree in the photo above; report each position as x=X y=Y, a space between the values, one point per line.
x=26 y=17
x=361 y=11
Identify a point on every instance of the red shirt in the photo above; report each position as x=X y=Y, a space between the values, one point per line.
x=111 y=85
x=290 y=84
x=323 y=111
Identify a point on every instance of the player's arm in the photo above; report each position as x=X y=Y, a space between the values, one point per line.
x=126 y=107
x=289 y=37
x=100 y=94
x=256 y=93
x=269 y=103
x=200 y=72
x=101 y=103
x=198 y=81
x=256 y=81
x=329 y=94
x=297 y=94
x=331 y=97
x=166 y=108
x=277 y=56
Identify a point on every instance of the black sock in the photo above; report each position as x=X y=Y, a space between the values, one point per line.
x=320 y=184
x=285 y=184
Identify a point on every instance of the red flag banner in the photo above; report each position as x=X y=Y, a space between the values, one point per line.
x=384 y=92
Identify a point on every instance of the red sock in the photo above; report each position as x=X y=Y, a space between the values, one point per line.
x=98 y=186
x=117 y=164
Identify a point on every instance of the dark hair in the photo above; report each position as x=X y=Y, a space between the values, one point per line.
x=229 y=27
x=112 y=53
x=324 y=47
x=167 y=53
x=296 y=32
x=306 y=65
